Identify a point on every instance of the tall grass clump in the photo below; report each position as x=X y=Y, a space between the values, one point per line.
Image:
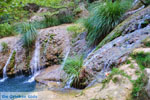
x=72 y=67
x=28 y=33
x=103 y=18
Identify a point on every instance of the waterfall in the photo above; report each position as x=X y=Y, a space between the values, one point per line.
x=65 y=58
x=68 y=83
x=5 y=68
x=35 y=62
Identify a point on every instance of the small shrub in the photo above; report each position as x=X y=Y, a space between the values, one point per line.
x=75 y=30
x=103 y=19
x=4 y=47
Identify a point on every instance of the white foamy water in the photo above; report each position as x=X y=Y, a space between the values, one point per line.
x=35 y=62
x=65 y=58
x=32 y=79
x=5 y=68
x=68 y=83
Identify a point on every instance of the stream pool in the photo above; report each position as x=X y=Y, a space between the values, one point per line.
x=17 y=84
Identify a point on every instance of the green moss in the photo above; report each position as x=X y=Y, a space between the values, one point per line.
x=108 y=39
x=12 y=60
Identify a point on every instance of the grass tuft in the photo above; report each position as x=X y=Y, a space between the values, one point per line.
x=104 y=17
x=72 y=66
x=28 y=32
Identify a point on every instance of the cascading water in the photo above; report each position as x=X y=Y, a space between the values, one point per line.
x=5 y=68
x=35 y=62
x=62 y=66
x=65 y=58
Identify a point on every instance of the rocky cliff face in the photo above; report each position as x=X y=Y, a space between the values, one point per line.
x=115 y=52
x=54 y=44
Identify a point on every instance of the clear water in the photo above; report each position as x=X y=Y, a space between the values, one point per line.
x=17 y=84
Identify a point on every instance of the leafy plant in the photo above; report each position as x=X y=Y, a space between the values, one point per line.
x=28 y=32
x=103 y=18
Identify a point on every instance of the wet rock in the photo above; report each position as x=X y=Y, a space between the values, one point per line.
x=145 y=50
x=110 y=55
x=51 y=76
x=80 y=47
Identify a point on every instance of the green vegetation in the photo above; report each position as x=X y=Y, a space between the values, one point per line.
x=28 y=33
x=104 y=17
x=108 y=39
x=146 y=42
x=115 y=71
x=138 y=85
x=12 y=60
x=6 y=30
x=128 y=61
x=131 y=66
x=143 y=59
x=75 y=30
x=72 y=66
x=51 y=3
x=4 y=47
x=13 y=11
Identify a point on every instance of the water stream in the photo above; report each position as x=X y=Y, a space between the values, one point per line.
x=5 y=68
x=35 y=62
